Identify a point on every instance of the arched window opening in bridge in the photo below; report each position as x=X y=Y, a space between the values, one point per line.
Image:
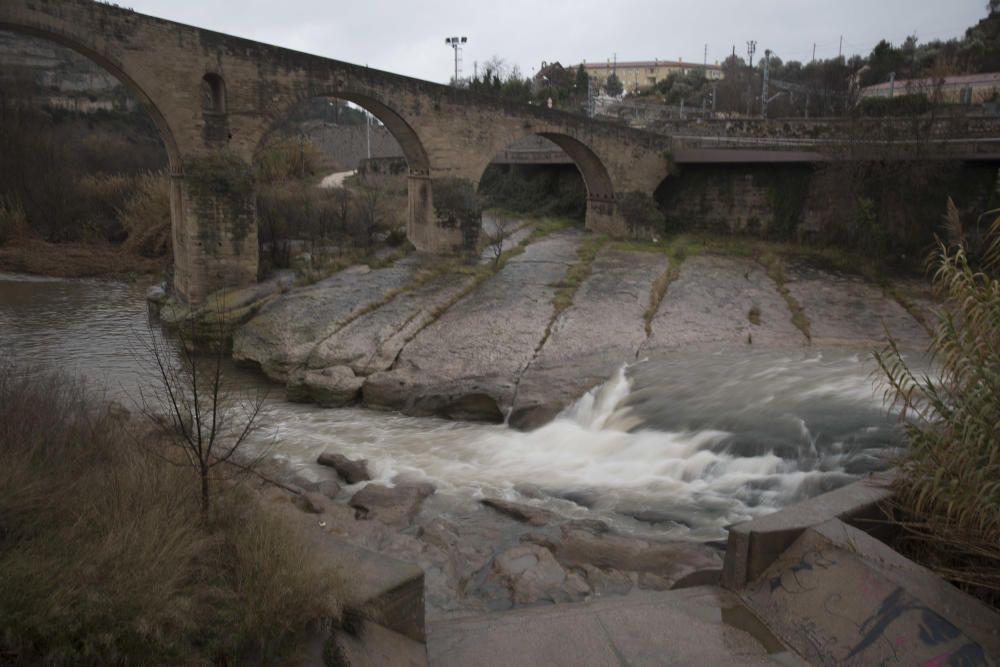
x=213 y=93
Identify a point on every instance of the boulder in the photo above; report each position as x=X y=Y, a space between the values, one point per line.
x=310 y=503
x=329 y=387
x=466 y=363
x=535 y=516
x=395 y=505
x=534 y=575
x=606 y=582
x=328 y=488
x=351 y=471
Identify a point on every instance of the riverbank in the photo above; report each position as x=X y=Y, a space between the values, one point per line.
x=76 y=260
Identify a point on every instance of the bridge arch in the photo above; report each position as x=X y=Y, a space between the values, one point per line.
x=413 y=148
x=419 y=229
x=596 y=178
x=116 y=69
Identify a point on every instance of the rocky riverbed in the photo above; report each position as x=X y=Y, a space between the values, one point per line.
x=588 y=505
x=524 y=342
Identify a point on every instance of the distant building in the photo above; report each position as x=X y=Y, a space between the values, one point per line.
x=964 y=89
x=644 y=74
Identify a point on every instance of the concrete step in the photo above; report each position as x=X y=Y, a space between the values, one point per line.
x=703 y=625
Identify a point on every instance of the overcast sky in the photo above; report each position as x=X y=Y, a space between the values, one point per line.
x=407 y=37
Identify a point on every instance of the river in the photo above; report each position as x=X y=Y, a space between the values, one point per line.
x=678 y=448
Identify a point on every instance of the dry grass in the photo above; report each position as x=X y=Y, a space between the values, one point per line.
x=106 y=559
x=74 y=260
x=145 y=216
x=13 y=222
x=948 y=490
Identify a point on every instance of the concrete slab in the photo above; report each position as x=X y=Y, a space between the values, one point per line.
x=722 y=300
x=285 y=331
x=840 y=597
x=465 y=365
x=601 y=330
x=846 y=310
x=754 y=545
x=672 y=628
x=378 y=647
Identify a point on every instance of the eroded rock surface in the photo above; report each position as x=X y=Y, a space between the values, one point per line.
x=395 y=505
x=536 y=516
x=534 y=575
x=284 y=333
x=593 y=337
x=846 y=310
x=727 y=300
x=350 y=470
x=465 y=365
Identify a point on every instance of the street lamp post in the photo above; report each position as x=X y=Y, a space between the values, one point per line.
x=456 y=44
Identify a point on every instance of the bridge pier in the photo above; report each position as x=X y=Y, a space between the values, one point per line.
x=213 y=212
x=423 y=229
x=604 y=217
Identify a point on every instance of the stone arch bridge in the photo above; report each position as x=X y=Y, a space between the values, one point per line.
x=214 y=97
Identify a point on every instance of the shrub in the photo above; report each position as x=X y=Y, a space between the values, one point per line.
x=456 y=204
x=641 y=214
x=105 y=558
x=286 y=159
x=948 y=489
x=537 y=191
x=145 y=216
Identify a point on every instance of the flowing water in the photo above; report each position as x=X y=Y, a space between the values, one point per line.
x=676 y=448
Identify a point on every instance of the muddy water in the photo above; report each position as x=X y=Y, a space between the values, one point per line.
x=675 y=448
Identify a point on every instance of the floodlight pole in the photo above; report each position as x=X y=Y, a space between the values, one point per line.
x=456 y=44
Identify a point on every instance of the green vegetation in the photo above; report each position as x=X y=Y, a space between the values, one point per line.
x=613 y=86
x=776 y=271
x=106 y=557
x=566 y=288
x=642 y=216
x=534 y=190
x=456 y=204
x=947 y=493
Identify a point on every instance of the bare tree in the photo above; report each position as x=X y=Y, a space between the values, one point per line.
x=200 y=412
x=500 y=229
x=371 y=203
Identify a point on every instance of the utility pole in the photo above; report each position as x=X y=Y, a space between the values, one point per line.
x=705 y=62
x=763 y=85
x=368 y=115
x=751 y=49
x=456 y=44
x=840 y=49
x=814 y=52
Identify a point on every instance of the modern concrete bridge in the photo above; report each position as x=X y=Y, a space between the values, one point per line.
x=214 y=97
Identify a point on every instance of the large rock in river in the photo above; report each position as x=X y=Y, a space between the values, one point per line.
x=283 y=334
x=599 y=332
x=467 y=363
x=722 y=300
